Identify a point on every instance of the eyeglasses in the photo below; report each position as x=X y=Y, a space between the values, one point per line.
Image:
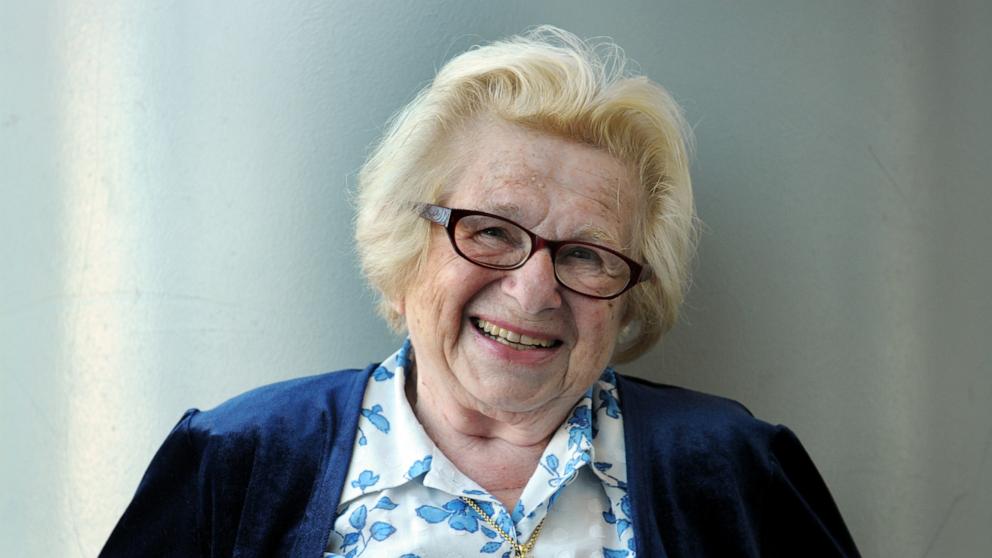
x=498 y=243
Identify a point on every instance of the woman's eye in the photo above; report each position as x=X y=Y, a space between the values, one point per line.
x=583 y=254
x=494 y=232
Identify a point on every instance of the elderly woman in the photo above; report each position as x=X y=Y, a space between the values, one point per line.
x=528 y=220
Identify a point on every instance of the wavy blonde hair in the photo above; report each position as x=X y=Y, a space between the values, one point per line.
x=550 y=80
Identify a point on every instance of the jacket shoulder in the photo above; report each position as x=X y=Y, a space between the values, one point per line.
x=654 y=401
x=687 y=424
x=295 y=407
x=728 y=484
x=260 y=472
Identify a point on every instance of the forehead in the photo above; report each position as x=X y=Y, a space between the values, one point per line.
x=540 y=179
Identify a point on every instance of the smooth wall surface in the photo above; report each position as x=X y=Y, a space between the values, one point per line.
x=175 y=229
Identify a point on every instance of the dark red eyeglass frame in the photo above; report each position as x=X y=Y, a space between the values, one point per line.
x=448 y=217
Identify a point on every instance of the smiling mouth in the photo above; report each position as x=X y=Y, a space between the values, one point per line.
x=513 y=339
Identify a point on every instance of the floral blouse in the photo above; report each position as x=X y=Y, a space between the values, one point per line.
x=403 y=498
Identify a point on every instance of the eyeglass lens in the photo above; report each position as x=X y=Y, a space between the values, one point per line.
x=494 y=242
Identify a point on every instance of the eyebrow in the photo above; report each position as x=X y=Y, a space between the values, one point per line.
x=509 y=210
x=597 y=235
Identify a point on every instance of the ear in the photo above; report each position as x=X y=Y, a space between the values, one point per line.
x=398 y=304
x=626 y=311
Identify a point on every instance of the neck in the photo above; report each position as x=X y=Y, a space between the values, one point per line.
x=448 y=416
x=498 y=450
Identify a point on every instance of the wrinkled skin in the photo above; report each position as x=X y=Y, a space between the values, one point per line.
x=559 y=189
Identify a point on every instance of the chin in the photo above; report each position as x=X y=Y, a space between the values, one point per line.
x=514 y=403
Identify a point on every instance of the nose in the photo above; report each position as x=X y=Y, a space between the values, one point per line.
x=534 y=285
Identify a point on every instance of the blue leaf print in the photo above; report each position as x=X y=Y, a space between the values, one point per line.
x=419 y=467
x=409 y=556
x=630 y=545
x=505 y=554
x=374 y=416
x=365 y=479
x=609 y=517
x=622 y=526
x=518 y=512
x=357 y=518
x=577 y=435
x=385 y=503
x=362 y=440
x=350 y=539
x=403 y=356
x=625 y=505
x=474 y=492
x=610 y=553
x=580 y=426
x=602 y=466
x=431 y=514
x=611 y=404
x=456 y=505
x=351 y=553
x=463 y=522
x=490 y=547
x=552 y=462
x=489 y=533
x=487 y=507
x=381 y=530
x=504 y=522
x=455 y=511
x=381 y=374
x=581 y=417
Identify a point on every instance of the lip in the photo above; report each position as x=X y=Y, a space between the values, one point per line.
x=509 y=354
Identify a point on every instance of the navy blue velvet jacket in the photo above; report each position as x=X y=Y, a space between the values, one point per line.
x=261 y=475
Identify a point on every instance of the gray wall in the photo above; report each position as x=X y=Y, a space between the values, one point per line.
x=175 y=225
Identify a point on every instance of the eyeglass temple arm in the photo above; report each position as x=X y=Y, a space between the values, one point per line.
x=646 y=274
x=435 y=213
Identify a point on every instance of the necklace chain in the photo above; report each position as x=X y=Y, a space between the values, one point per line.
x=519 y=550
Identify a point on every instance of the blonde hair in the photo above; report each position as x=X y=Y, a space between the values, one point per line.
x=550 y=80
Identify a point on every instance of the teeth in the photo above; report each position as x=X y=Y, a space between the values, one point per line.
x=507 y=337
x=527 y=340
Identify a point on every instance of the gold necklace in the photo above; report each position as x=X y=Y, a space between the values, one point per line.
x=519 y=550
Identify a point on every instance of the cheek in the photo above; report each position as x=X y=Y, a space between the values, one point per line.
x=440 y=296
x=613 y=318
x=601 y=328
x=422 y=298
x=426 y=301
